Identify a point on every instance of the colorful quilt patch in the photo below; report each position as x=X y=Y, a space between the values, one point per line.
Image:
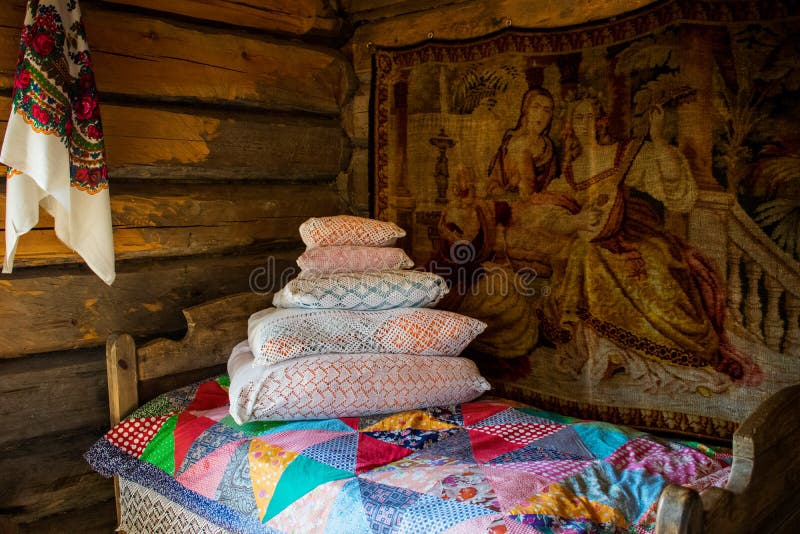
x=132 y=436
x=483 y=466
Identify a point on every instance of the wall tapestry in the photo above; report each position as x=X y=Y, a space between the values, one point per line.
x=620 y=202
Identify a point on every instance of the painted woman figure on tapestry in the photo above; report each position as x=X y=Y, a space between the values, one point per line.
x=518 y=175
x=526 y=161
x=626 y=295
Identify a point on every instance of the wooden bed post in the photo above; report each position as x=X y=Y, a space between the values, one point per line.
x=763 y=490
x=123 y=376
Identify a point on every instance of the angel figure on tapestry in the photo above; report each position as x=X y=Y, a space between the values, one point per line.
x=628 y=296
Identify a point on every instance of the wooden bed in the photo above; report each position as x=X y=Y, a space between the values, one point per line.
x=762 y=494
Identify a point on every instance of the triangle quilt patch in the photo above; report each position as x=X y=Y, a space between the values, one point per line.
x=475 y=412
x=301 y=476
x=374 y=453
x=486 y=447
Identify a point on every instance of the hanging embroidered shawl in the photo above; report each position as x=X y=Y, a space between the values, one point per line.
x=54 y=141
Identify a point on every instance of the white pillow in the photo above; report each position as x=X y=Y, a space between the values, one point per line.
x=277 y=334
x=349 y=230
x=347 y=385
x=363 y=291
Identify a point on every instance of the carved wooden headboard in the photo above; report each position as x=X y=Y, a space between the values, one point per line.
x=137 y=374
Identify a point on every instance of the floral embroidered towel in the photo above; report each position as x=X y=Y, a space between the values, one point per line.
x=54 y=140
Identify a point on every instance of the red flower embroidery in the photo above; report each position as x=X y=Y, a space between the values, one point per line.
x=39 y=114
x=85 y=108
x=22 y=80
x=94 y=177
x=82 y=175
x=43 y=44
x=68 y=127
x=94 y=132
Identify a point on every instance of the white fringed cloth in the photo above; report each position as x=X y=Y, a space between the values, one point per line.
x=54 y=140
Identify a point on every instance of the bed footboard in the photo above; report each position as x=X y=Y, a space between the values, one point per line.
x=680 y=511
x=136 y=374
x=763 y=492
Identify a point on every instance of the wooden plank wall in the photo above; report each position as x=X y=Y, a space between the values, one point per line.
x=223 y=133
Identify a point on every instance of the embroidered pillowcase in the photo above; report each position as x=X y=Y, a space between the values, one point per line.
x=349 y=230
x=350 y=258
x=277 y=334
x=347 y=385
x=363 y=291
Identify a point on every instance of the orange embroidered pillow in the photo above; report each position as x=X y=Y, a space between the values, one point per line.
x=277 y=334
x=349 y=230
x=350 y=258
x=347 y=385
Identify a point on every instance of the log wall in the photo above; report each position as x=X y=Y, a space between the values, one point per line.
x=223 y=133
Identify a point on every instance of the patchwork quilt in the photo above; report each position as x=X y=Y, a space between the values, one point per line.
x=485 y=466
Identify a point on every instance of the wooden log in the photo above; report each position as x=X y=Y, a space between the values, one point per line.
x=357 y=186
x=97 y=519
x=52 y=393
x=298 y=17
x=356 y=117
x=148 y=143
x=154 y=143
x=209 y=338
x=370 y=10
x=147 y=57
x=48 y=309
x=48 y=475
x=163 y=220
x=476 y=18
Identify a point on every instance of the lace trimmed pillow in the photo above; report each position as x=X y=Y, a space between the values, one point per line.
x=350 y=258
x=349 y=230
x=363 y=291
x=277 y=334
x=347 y=385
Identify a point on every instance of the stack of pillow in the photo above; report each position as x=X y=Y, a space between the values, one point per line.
x=354 y=334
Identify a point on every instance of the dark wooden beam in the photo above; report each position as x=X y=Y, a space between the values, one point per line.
x=47 y=309
x=166 y=220
x=146 y=57
x=298 y=17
